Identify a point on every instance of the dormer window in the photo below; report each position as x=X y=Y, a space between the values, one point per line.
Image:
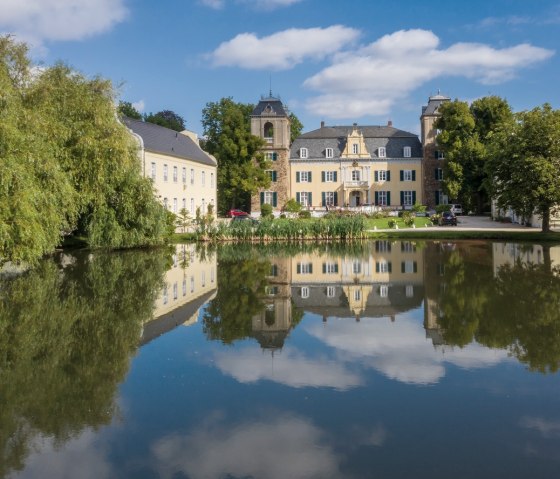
x=381 y=152
x=406 y=152
x=329 y=153
x=355 y=148
x=303 y=153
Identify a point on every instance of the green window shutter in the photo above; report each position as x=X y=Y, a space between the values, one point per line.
x=377 y=266
x=274 y=176
x=402 y=266
x=388 y=198
x=262 y=198
x=274 y=199
x=402 y=175
x=388 y=175
x=436 y=154
x=309 y=176
x=376 y=197
x=413 y=175
x=336 y=268
x=437 y=197
x=298 y=268
x=402 y=198
x=274 y=156
x=310 y=268
x=322 y=176
x=335 y=198
x=414 y=197
x=415 y=267
x=324 y=268
x=297 y=176
x=376 y=175
x=335 y=176
x=390 y=267
x=323 y=199
x=298 y=199
x=309 y=200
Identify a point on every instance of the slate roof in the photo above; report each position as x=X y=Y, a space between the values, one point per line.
x=393 y=139
x=276 y=108
x=159 y=139
x=433 y=104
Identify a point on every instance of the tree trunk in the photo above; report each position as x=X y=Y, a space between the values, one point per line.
x=546 y=258
x=546 y=220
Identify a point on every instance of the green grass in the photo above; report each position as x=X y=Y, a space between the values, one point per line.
x=383 y=223
x=455 y=234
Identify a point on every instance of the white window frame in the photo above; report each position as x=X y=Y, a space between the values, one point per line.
x=382 y=152
x=407 y=198
x=192 y=284
x=329 y=198
x=304 y=176
x=166 y=203
x=382 y=198
x=408 y=266
x=192 y=176
x=153 y=170
x=192 y=206
x=304 y=292
x=165 y=172
x=304 y=199
x=175 y=174
x=407 y=152
x=383 y=266
x=267 y=197
x=185 y=204
x=440 y=155
x=356 y=175
x=175 y=289
x=407 y=175
x=329 y=153
x=439 y=174
x=203 y=178
x=211 y=180
x=331 y=291
x=303 y=153
x=383 y=291
x=174 y=205
x=357 y=295
x=329 y=176
x=184 y=174
x=305 y=268
x=355 y=149
x=184 y=286
x=330 y=268
x=356 y=267
x=381 y=175
x=409 y=291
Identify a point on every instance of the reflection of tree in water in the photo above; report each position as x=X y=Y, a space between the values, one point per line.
x=517 y=309
x=66 y=337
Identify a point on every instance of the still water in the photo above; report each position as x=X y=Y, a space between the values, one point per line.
x=382 y=360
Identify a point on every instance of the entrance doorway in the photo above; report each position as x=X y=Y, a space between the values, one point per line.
x=355 y=198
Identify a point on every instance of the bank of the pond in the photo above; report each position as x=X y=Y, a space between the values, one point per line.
x=458 y=234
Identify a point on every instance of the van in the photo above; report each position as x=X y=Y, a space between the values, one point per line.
x=456 y=209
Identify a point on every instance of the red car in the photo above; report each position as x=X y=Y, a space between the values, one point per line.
x=236 y=212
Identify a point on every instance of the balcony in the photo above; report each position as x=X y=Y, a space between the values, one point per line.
x=269 y=140
x=356 y=184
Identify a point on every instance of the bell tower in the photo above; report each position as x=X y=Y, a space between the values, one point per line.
x=270 y=121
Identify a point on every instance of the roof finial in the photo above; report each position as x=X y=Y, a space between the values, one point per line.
x=270 y=82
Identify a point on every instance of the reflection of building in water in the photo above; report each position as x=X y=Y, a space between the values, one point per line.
x=271 y=327
x=511 y=253
x=382 y=282
x=189 y=283
x=433 y=274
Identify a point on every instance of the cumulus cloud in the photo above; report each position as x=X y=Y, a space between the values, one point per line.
x=259 y=4
x=285 y=446
x=282 y=50
x=39 y=21
x=370 y=80
x=290 y=368
x=400 y=350
x=546 y=427
x=139 y=105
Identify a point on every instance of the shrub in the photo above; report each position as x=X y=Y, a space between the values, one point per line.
x=292 y=206
x=392 y=223
x=441 y=208
x=304 y=214
x=408 y=218
x=266 y=210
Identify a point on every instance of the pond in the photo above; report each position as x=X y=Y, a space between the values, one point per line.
x=385 y=359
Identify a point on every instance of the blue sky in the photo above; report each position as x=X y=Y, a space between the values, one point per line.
x=364 y=61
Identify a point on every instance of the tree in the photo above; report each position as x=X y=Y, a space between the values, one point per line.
x=126 y=108
x=241 y=166
x=184 y=220
x=464 y=137
x=296 y=127
x=68 y=165
x=167 y=118
x=525 y=163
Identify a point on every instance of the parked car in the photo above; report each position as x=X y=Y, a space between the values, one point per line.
x=448 y=218
x=246 y=218
x=456 y=209
x=236 y=212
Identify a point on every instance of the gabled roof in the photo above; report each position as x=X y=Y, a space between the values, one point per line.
x=371 y=131
x=159 y=139
x=270 y=106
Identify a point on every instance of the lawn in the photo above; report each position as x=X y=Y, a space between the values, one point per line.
x=383 y=223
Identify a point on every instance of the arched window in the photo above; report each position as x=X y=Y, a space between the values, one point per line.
x=268 y=130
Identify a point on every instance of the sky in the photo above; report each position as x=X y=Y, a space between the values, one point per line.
x=338 y=61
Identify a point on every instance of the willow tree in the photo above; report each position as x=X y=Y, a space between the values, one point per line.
x=67 y=164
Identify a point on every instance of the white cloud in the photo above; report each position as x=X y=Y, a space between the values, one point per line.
x=370 y=80
x=38 y=21
x=139 y=105
x=214 y=4
x=259 y=4
x=400 y=350
x=290 y=368
x=545 y=427
x=282 y=50
x=285 y=446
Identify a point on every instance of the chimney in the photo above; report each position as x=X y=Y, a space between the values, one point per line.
x=389 y=123
x=322 y=124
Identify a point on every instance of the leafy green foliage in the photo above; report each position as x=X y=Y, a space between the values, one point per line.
x=296 y=127
x=266 y=210
x=525 y=163
x=241 y=167
x=126 y=108
x=68 y=164
x=292 y=206
x=167 y=118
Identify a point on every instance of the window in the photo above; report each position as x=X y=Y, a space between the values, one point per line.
x=383 y=291
x=409 y=267
x=355 y=175
x=382 y=175
x=175 y=295
x=440 y=155
x=304 y=198
x=268 y=197
x=355 y=148
x=164 y=172
x=382 y=246
x=271 y=156
x=203 y=278
x=192 y=284
x=382 y=152
x=153 y=171
x=407 y=152
x=329 y=153
x=268 y=130
x=357 y=295
x=174 y=174
x=407 y=175
x=192 y=205
x=203 y=178
x=273 y=270
x=304 y=292
x=330 y=268
x=330 y=176
x=184 y=286
x=212 y=275
x=305 y=176
x=304 y=268
x=192 y=176
x=356 y=267
x=203 y=206
x=330 y=198
x=441 y=198
x=303 y=152
x=331 y=291
x=408 y=247
x=174 y=205
x=383 y=266
x=165 y=294
x=184 y=175
x=211 y=180
x=409 y=291
x=184 y=203
x=165 y=203
x=438 y=173
x=408 y=197
x=382 y=198
x=272 y=175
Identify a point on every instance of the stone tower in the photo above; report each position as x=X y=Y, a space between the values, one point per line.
x=432 y=161
x=270 y=120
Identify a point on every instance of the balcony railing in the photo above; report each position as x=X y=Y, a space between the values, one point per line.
x=356 y=184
